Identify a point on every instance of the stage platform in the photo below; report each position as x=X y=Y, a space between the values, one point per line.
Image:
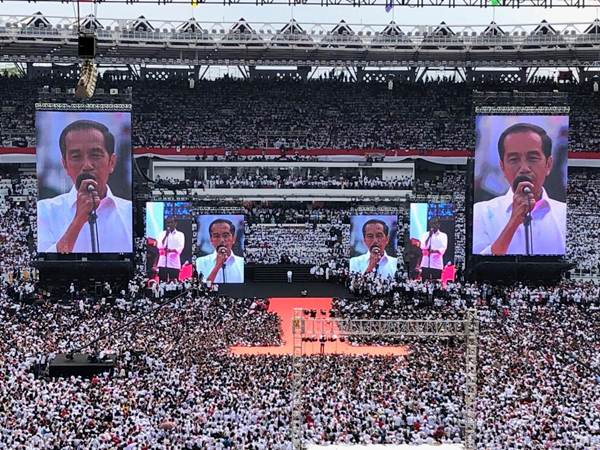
x=284 y=308
x=80 y=365
x=275 y=290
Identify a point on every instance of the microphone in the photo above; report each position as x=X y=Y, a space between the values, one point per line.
x=520 y=179
x=92 y=217
x=527 y=219
x=223 y=251
x=85 y=176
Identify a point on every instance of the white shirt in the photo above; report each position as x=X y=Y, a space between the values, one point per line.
x=114 y=223
x=439 y=241
x=175 y=241
x=233 y=270
x=386 y=267
x=548 y=226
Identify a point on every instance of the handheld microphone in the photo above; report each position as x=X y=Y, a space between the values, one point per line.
x=527 y=219
x=92 y=217
x=520 y=179
x=85 y=176
x=223 y=251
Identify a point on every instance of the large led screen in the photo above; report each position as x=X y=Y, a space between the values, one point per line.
x=430 y=251
x=169 y=238
x=84 y=181
x=221 y=248
x=373 y=245
x=520 y=184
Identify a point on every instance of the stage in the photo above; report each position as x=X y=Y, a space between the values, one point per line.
x=79 y=365
x=276 y=290
x=284 y=308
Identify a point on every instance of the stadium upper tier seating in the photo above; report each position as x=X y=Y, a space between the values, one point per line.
x=229 y=113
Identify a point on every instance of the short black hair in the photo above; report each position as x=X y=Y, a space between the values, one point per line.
x=524 y=128
x=376 y=221
x=78 y=125
x=433 y=220
x=228 y=222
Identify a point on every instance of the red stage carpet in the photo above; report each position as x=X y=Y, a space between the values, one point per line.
x=284 y=308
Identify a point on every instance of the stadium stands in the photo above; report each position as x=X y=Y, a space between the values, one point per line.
x=318 y=114
x=177 y=386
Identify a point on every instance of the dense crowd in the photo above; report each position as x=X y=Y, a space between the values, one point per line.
x=287 y=182
x=309 y=182
x=316 y=114
x=534 y=342
x=582 y=218
x=293 y=244
x=177 y=386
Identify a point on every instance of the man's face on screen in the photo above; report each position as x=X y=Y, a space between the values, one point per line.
x=523 y=155
x=375 y=236
x=85 y=152
x=220 y=235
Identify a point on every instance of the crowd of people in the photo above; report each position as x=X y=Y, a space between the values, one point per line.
x=290 y=244
x=435 y=115
x=308 y=182
x=287 y=182
x=177 y=386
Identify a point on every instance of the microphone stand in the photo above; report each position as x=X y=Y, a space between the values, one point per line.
x=528 y=233
x=92 y=218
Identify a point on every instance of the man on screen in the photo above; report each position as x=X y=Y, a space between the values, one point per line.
x=88 y=157
x=376 y=238
x=433 y=246
x=222 y=265
x=525 y=152
x=171 y=243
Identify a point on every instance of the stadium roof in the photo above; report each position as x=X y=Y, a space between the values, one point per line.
x=37 y=38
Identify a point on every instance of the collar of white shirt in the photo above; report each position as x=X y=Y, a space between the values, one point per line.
x=541 y=206
x=110 y=198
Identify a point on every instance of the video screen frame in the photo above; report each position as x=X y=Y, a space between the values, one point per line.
x=220 y=247
x=373 y=245
x=66 y=157
x=169 y=240
x=530 y=180
x=430 y=250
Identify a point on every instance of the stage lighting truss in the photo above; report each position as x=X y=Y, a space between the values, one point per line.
x=522 y=110
x=466 y=329
x=96 y=107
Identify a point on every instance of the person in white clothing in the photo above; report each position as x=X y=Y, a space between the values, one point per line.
x=433 y=246
x=88 y=157
x=376 y=238
x=525 y=152
x=222 y=265
x=171 y=243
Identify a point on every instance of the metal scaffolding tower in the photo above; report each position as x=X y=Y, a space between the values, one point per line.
x=467 y=329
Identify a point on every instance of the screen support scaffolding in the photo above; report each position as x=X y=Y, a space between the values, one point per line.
x=467 y=329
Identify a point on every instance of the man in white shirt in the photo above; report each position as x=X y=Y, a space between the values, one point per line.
x=171 y=243
x=376 y=238
x=222 y=265
x=433 y=246
x=88 y=157
x=525 y=152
